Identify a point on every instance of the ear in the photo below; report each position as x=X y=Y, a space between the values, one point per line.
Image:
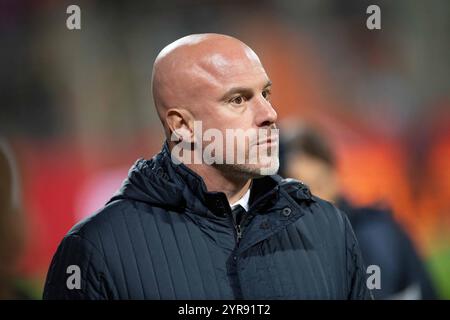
x=180 y=123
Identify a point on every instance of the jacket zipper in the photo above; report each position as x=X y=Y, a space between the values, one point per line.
x=237 y=228
x=238 y=232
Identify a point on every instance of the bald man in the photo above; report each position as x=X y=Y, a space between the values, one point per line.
x=207 y=217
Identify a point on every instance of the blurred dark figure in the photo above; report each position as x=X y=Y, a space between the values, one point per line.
x=306 y=156
x=11 y=232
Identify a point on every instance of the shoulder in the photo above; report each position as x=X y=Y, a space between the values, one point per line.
x=320 y=208
x=119 y=219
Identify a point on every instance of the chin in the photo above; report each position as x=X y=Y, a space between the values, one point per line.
x=257 y=170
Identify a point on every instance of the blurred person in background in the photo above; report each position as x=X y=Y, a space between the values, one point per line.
x=11 y=226
x=306 y=156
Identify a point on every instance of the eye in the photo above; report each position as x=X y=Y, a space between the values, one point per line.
x=266 y=94
x=238 y=100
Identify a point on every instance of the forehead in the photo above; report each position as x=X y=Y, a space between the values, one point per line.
x=220 y=71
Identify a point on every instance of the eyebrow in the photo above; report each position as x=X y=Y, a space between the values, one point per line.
x=246 y=90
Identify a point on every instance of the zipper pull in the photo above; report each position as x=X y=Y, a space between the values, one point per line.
x=238 y=232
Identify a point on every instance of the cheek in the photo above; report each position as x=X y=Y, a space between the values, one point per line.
x=205 y=121
x=221 y=122
x=217 y=120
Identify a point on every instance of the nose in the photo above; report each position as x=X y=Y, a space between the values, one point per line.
x=265 y=114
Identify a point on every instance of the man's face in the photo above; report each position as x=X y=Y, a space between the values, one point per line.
x=233 y=92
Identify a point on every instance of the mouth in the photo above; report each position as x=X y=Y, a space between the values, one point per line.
x=270 y=141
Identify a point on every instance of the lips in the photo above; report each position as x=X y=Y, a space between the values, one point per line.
x=271 y=140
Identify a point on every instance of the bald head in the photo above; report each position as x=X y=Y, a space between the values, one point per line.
x=195 y=65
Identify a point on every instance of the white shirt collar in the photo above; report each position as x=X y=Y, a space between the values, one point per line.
x=243 y=201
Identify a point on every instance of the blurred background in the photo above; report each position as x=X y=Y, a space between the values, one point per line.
x=76 y=109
